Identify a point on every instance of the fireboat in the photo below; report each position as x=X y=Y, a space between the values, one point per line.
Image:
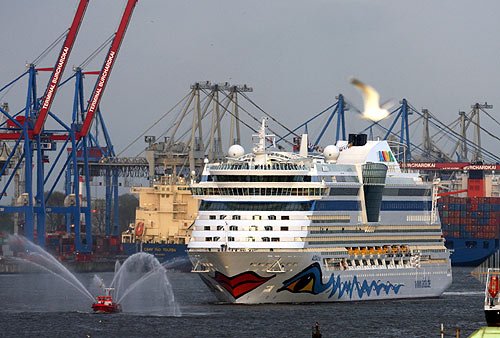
x=105 y=304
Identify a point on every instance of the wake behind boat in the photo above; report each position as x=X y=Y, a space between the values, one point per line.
x=344 y=225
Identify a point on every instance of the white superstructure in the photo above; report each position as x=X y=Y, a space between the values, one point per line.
x=343 y=225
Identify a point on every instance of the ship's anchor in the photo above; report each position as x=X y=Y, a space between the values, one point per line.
x=276 y=267
x=199 y=267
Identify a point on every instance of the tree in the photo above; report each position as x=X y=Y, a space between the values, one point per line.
x=6 y=222
x=99 y=215
x=127 y=203
x=55 y=221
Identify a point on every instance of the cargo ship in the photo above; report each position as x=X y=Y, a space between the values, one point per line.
x=163 y=220
x=162 y=228
x=471 y=216
x=342 y=225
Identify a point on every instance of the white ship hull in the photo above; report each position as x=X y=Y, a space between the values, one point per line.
x=255 y=278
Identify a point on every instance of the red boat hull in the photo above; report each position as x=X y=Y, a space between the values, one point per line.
x=105 y=308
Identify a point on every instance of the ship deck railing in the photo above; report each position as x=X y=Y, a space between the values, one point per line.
x=251 y=166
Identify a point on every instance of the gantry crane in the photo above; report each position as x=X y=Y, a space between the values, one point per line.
x=30 y=136
x=29 y=129
x=80 y=141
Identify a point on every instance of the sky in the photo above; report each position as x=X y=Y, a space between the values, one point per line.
x=297 y=55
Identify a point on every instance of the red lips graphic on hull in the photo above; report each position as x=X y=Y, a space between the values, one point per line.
x=242 y=283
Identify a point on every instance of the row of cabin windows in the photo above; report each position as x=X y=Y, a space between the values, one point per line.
x=235 y=228
x=303 y=191
x=406 y=192
x=258 y=178
x=246 y=166
x=363 y=230
x=347 y=241
x=386 y=191
x=255 y=206
x=254 y=217
x=250 y=239
x=258 y=191
x=406 y=205
x=350 y=179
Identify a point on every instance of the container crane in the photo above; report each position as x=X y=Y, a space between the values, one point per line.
x=80 y=139
x=55 y=78
x=30 y=137
x=33 y=141
x=59 y=67
x=102 y=80
x=475 y=181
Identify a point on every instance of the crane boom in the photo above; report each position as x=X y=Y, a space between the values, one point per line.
x=449 y=193
x=102 y=80
x=62 y=60
x=451 y=166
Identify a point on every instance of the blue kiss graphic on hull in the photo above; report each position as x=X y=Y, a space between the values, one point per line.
x=309 y=281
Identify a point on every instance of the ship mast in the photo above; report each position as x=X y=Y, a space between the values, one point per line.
x=259 y=149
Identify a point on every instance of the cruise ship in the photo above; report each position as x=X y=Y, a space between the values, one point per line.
x=293 y=227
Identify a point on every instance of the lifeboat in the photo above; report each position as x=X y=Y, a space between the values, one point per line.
x=139 y=229
x=105 y=304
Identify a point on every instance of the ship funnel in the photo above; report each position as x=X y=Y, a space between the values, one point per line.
x=303 y=146
x=358 y=140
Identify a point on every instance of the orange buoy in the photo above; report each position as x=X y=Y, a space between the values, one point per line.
x=493 y=286
x=139 y=229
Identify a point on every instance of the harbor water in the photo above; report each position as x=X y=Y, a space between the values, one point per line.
x=33 y=305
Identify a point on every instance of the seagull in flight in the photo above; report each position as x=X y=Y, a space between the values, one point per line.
x=372 y=109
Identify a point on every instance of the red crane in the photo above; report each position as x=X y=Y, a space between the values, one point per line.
x=106 y=69
x=57 y=71
x=449 y=193
x=450 y=166
x=475 y=181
